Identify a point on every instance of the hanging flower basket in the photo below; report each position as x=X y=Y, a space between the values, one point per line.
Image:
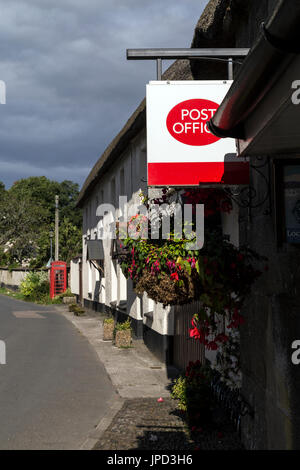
x=177 y=290
x=219 y=275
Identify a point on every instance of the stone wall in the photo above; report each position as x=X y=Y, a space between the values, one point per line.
x=13 y=278
x=271 y=383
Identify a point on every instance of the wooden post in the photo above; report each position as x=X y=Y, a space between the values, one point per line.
x=56 y=228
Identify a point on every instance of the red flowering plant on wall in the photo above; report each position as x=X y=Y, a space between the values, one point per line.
x=214 y=200
x=219 y=275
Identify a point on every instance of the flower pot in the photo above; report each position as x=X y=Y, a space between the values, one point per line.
x=108 y=331
x=123 y=339
x=69 y=300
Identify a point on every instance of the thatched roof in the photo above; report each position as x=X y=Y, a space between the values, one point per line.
x=180 y=70
x=212 y=30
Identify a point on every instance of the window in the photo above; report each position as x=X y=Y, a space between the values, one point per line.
x=287 y=200
x=122 y=182
x=113 y=192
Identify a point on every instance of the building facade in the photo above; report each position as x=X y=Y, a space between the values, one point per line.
x=122 y=171
x=270 y=380
x=266 y=129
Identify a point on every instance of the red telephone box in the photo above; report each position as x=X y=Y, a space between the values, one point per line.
x=58 y=278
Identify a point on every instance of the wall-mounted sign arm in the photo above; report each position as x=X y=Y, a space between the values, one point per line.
x=197 y=53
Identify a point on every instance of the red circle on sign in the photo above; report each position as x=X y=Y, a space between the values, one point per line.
x=187 y=122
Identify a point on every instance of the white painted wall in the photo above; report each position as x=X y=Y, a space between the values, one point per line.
x=126 y=177
x=74 y=275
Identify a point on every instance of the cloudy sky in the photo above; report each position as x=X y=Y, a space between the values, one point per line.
x=69 y=86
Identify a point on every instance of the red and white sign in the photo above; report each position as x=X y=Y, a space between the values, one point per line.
x=181 y=151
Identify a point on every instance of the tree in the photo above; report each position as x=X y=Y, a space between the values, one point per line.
x=21 y=222
x=2 y=189
x=27 y=212
x=43 y=191
x=70 y=240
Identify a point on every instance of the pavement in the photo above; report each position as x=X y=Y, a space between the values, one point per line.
x=137 y=421
x=54 y=391
x=134 y=372
x=145 y=424
x=63 y=387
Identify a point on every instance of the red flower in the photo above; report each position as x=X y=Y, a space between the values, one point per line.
x=212 y=345
x=221 y=338
x=174 y=276
x=195 y=333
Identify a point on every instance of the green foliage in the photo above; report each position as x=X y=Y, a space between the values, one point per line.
x=2 y=190
x=59 y=298
x=179 y=392
x=193 y=392
x=219 y=275
x=42 y=191
x=123 y=326
x=76 y=309
x=35 y=286
x=4 y=258
x=27 y=212
x=70 y=240
x=72 y=307
x=109 y=321
x=78 y=312
x=66 y=293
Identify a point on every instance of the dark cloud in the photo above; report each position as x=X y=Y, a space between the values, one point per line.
x=69 y=86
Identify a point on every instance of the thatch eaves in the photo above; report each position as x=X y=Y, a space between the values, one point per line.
x=180 y=70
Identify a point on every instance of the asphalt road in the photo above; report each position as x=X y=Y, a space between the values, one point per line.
x=53 y=388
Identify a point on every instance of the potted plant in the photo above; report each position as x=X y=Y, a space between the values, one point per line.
x=193 y=393
x=76 y=309
x=122 y=333
x=108 y=329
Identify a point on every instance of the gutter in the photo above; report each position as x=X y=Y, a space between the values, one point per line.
x=273 y=50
